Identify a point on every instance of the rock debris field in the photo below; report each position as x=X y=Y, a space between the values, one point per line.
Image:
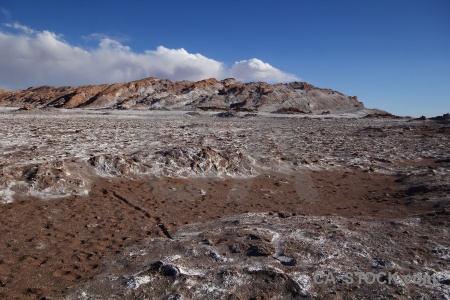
x=110 y=204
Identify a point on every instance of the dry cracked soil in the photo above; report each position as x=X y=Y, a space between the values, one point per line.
x=104 y=204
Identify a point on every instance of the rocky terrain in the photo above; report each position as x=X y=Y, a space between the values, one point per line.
x=127 y=204
x=210 y=94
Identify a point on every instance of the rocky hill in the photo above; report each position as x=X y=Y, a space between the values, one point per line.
x=210 y=94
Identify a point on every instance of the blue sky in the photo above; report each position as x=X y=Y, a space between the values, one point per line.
x=394 y=55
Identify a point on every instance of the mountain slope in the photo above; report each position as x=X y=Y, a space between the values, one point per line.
x=209 y=94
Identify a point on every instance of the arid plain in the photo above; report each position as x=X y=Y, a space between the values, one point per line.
x=110 y=204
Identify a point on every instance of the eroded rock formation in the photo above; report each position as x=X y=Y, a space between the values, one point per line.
x=209 y=94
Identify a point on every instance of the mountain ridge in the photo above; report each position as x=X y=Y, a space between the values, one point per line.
x=208 y=94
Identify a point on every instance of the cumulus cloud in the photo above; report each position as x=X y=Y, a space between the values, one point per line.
x=32 y=58
x=257 y=70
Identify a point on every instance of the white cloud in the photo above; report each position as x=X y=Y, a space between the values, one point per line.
x=257 y=70
x=32 y=58
x=20 y=27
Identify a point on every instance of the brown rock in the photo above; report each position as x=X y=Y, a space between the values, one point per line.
x=27 y=106
x=208 y=94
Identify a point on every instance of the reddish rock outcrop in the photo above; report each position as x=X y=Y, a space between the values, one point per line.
x=208 y=94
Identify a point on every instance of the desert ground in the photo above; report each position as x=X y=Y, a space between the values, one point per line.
x=110 y=204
